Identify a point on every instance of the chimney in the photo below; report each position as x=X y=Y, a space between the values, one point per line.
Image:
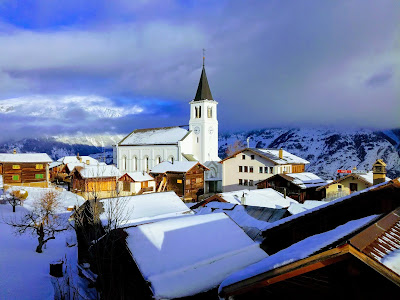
x=280 y=153
x=243 y=199
x=378 y=172
x=15 y=151
x=248 y=142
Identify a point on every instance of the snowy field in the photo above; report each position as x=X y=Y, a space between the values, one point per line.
x=24 y=273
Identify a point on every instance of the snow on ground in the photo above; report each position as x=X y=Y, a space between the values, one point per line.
x=24 y=273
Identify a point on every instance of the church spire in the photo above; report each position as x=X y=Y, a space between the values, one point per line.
x=203 y=90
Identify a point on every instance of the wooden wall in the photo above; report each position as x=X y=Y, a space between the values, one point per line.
x=27 y=173
x=298 y=168
x=194 y=180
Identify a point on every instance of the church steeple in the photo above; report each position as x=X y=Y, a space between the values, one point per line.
x=203 y=90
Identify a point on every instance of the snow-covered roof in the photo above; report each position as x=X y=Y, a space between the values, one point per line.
x=73 y=159
x=370 y=177
x=139 y=176
x=287 y=158
x=259 y=197
x=306 y=180
x=99 y=171
x=300 y=250
x=189 y=255
x=177 y=166
x=155 y=136
x=146 y=208
x=296 y=208
x=25 y=158
x=55 y=164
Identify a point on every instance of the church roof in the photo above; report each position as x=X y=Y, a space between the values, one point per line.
x=203 y=90
x=155 y=136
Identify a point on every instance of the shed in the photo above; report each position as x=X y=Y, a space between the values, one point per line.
x=134 y=183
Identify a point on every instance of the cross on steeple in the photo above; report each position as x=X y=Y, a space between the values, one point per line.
x=204 y=56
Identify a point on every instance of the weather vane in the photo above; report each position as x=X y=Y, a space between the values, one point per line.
x=204 y=55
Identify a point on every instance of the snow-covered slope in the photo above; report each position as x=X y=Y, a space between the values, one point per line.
x=327 y=150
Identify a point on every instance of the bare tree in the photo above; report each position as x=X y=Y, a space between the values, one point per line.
x=16 y=197
x=42 y=220
x=233 y=148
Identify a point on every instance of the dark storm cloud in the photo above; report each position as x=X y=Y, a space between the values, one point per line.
x=269 y=63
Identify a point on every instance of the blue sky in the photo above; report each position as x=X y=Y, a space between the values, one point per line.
x=269 y=63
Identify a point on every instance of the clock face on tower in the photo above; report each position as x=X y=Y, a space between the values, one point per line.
x=210 y=130
x=196 y=130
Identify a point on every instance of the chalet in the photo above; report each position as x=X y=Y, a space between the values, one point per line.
x=299 y=186
x=354 y=182
x=186 y=179
x=25 y=169
x=95 y=182
x=136 y=183
x=246 y=167
x=343 y=248
x=261 y=198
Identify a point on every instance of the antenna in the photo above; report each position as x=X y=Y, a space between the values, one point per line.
x=204 y=56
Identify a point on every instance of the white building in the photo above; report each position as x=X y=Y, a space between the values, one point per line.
x=246 y=167
x=142 y=149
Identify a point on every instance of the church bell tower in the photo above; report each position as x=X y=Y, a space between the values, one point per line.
x=203 y=122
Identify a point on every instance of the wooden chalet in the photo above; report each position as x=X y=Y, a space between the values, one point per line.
x=339 y=250
x=186 y=179
x=95 y=182
x=136 y=183
x=25 y=169
x=298 y=186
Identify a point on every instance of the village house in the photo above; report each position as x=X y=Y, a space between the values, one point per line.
x=299 y=186
x=136 y=183
x=357 y=180
x=95 y=182
x=25 y=169
x=143 y=149
x=247 y=167
x=347 y=247
x=186 y=179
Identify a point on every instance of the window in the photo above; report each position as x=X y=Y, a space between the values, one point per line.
x=88 y=162
x=39 y=166
x=15 y=177
x=16 y=167
x=260 y=170
x=251 y=169
x=271 y=170
x=246 y=169
x=339 y=186
x=266 y=170
x=126 y=186
x=38 y=176
x=252 y=157
x=146 y=163
x=209 y=112
x=240 y=169
x=251 y=182
x=158 y=159
x=243 y=156
x=199 y=180
x=179 y=181
x=196 y=112
x=187 y=181
x=134 y=161
x=199 y=111
x=353 y=187
x=240 y=182
x=124 y=163
x=245 y=182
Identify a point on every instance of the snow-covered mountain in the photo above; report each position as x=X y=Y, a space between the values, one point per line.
x=327 y=150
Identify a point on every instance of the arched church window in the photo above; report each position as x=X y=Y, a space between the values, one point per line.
x=146 y=164
x=134 y=162
x=124 y=163
x=209 y=112
x=171 y=159
x=199 y=111
x=158 y=159
x=196 y=112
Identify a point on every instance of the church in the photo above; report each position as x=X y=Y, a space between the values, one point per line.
x=142 y=149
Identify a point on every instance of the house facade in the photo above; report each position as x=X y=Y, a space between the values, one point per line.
x=247 y=167
x=136 y=183
x=25 y=169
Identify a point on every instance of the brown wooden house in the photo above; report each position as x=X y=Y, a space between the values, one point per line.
x=298 y=186
x=95 y=182
x=186 y=179
x=25 y=169
x=337 y=250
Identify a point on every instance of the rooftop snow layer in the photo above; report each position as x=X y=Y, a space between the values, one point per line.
x=99 y=171
x=145 y=208
x=296 y=208
x=155 y=136
x=73 y=159
x=287 y=158
x=298 y=251
x=259 y=197
x=139 y=176
x=186 y=256
x=25 y=158
x=177 y=166
x=306 y=180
